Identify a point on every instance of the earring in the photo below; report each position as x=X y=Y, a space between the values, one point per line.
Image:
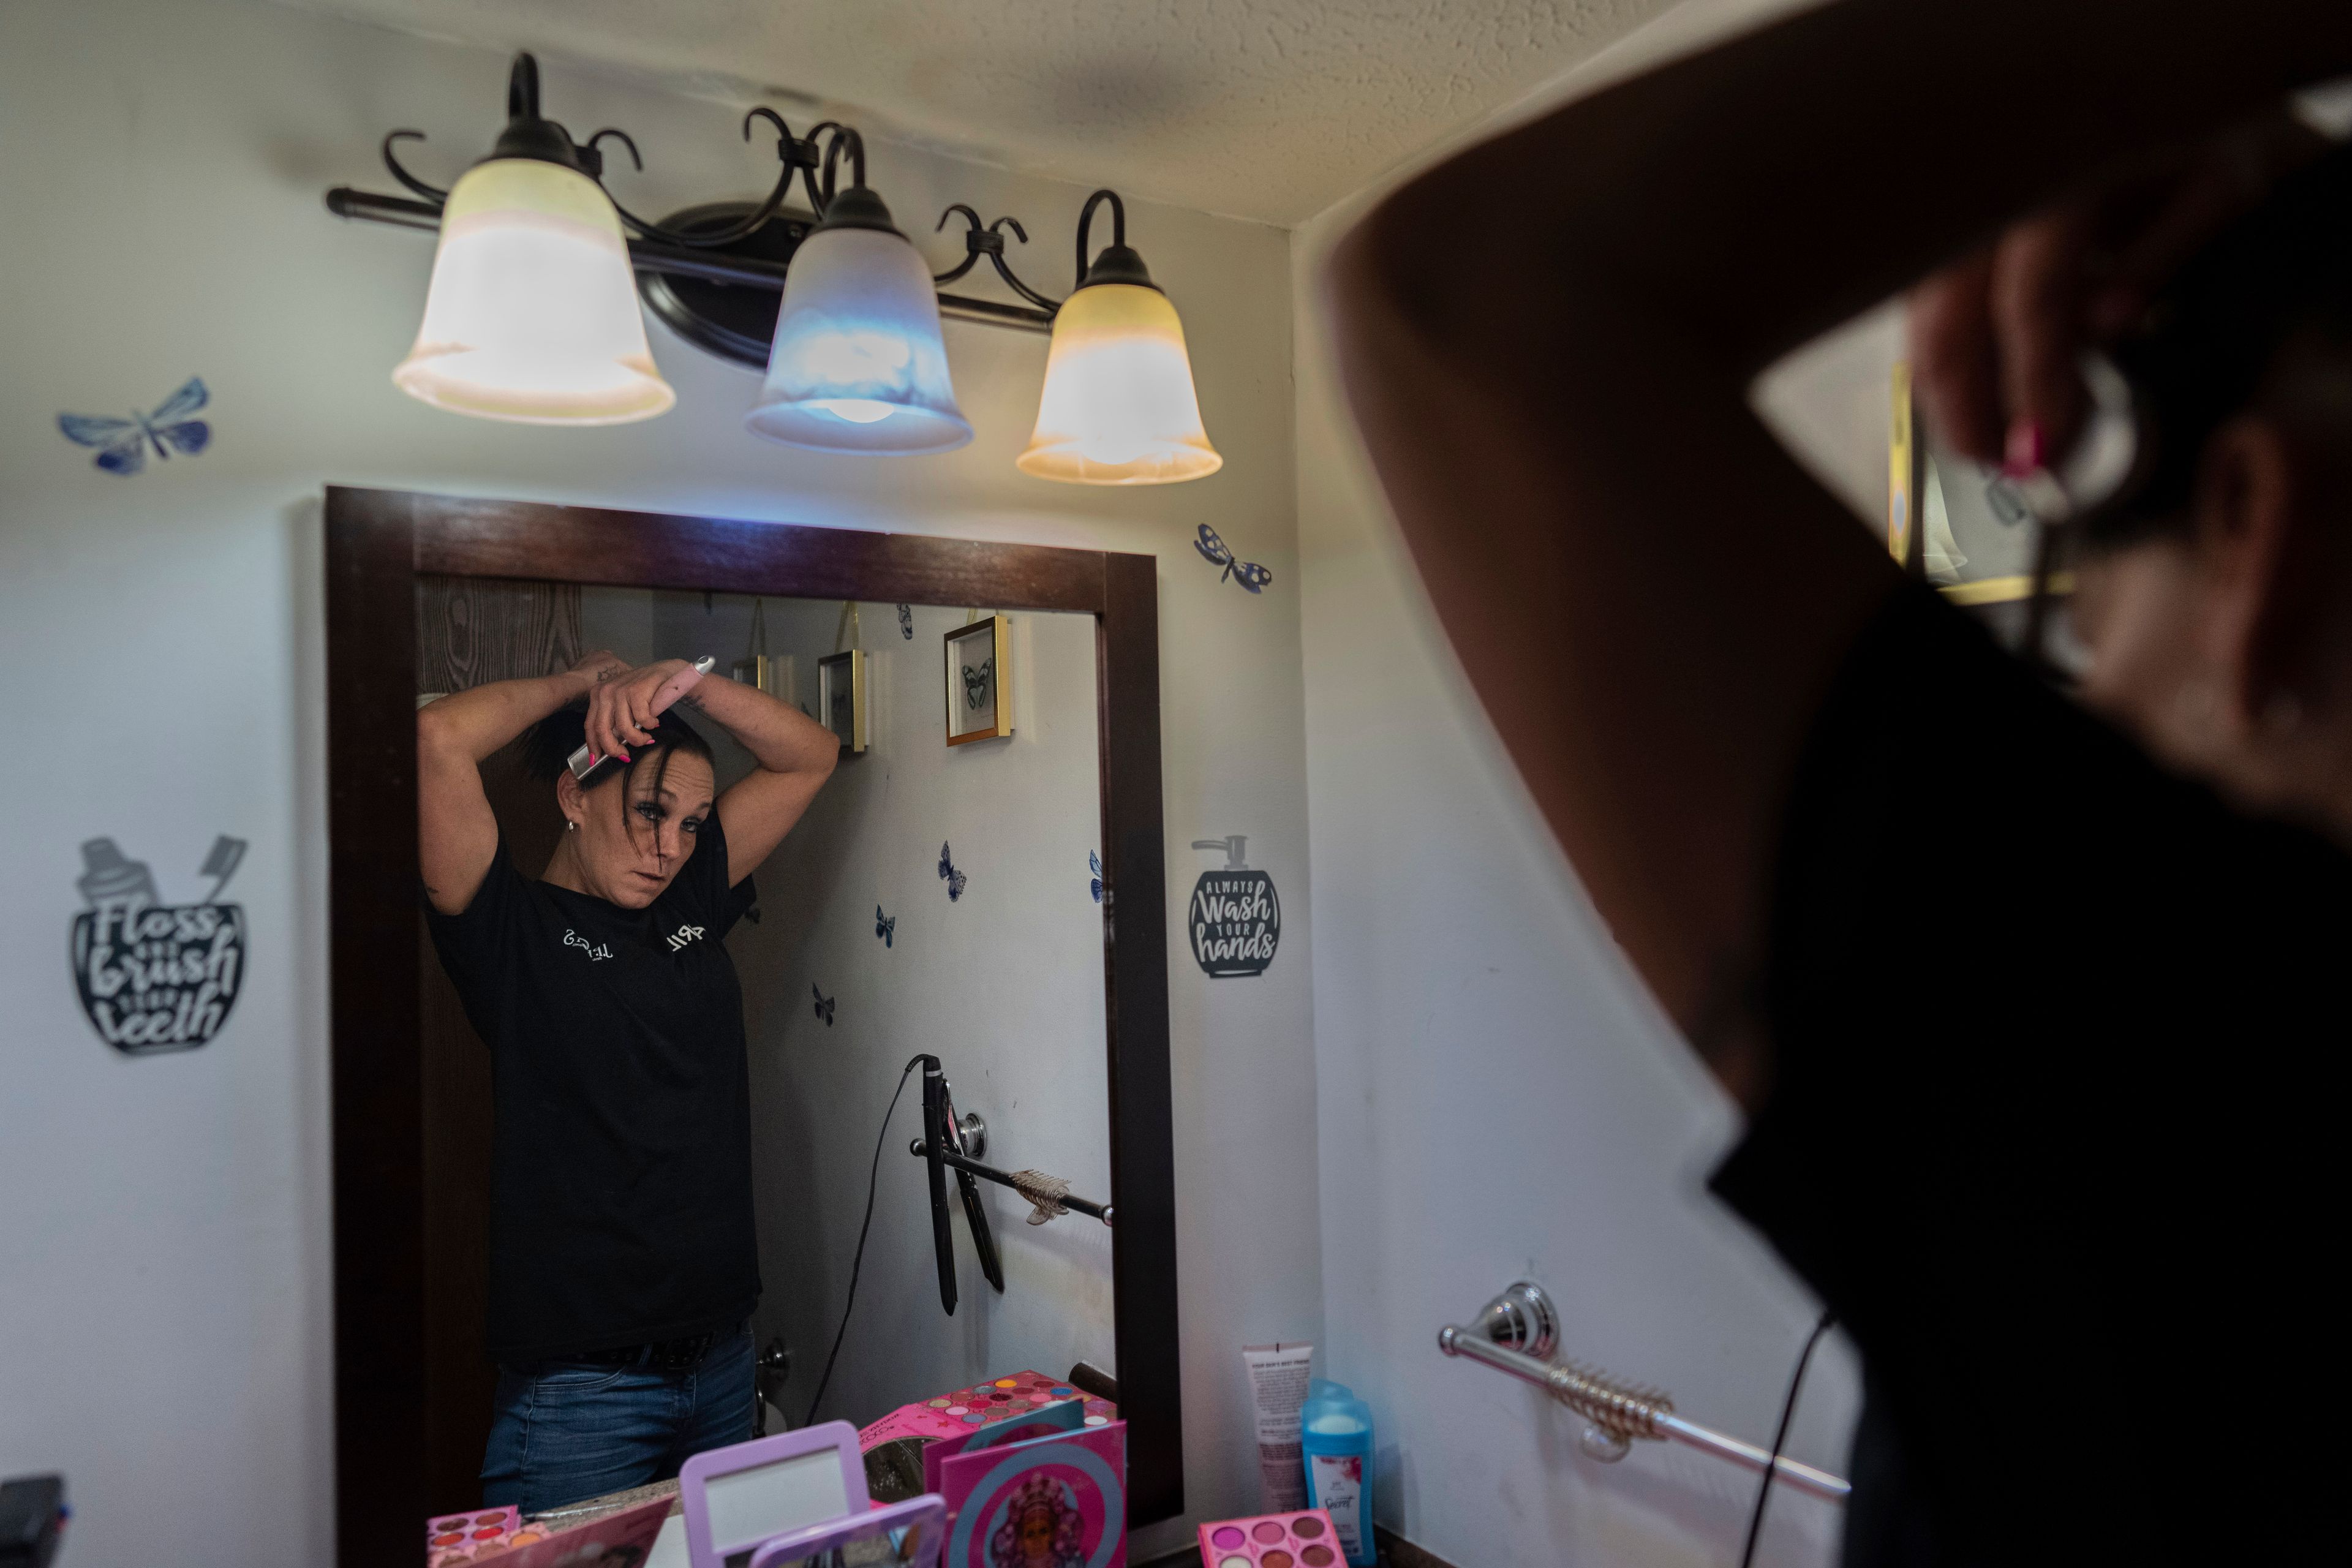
x=570 y=826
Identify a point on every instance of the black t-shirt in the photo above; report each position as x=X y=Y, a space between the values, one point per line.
x=621 y=1162
x=2052 y=1123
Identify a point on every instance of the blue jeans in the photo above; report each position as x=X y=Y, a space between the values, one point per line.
x=563 y=1430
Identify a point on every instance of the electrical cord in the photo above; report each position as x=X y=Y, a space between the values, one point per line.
x=1780 y=1436
x=855 y=1262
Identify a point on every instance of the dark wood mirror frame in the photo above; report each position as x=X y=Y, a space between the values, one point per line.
x=377 y=543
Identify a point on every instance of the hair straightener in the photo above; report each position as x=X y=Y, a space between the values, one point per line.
x=940 y=1133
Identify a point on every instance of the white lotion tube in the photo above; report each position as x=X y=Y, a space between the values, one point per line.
x=1277 y=1376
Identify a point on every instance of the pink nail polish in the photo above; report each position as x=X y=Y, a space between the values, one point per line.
x=2025 y=448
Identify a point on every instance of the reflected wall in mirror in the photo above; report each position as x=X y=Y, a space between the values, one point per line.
x=611 y=1161
x=428 y=594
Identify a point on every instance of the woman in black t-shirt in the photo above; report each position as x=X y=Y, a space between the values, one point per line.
x=623 y=1263
x=2034 y=1015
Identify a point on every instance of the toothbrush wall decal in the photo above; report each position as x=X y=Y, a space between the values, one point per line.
x=153 y=976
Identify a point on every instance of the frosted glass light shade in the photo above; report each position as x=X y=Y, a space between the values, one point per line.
x=1118 y=406
x=532 y=315
x=857 y=364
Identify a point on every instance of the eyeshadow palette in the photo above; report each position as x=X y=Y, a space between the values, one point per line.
x=1272 y=1541
x=501 y=1536
x=982 y=1404
x=456 y=1538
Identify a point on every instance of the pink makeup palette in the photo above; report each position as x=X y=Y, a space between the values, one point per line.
x=1273 y=1541
x=501 y=1536
x=981 y=1405
x=456 y=1538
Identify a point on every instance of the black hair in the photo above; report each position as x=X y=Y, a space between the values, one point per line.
x=2279 y=279
x=548 y=745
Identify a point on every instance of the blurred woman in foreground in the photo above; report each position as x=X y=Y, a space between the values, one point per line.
x=2042 y=1207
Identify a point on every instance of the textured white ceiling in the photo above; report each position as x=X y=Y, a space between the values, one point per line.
x=1270 y=110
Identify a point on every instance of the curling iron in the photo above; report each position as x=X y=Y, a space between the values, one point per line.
x=590 y=768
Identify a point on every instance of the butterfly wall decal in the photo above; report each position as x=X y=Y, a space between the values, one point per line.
x=953 y=878
x=122 y=443
x=823 y=1005
x=1248 y=574
x=886 y=927
x=1094 y=864
x=975 y=682
x=906 y=622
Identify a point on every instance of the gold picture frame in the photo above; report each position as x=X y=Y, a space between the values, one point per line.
x=771 y=673
x=842 y=703
x=1946 y=521
x=978 y=671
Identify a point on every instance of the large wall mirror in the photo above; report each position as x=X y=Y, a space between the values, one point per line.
x=952 y=888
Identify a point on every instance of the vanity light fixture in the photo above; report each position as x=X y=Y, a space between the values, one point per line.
x=528 y=316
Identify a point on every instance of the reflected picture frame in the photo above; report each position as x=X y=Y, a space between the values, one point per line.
x=1959 y=527
x=842 y=701
x=979 y=675
x=771 y=673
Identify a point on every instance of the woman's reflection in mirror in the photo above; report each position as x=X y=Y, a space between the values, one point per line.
x=623 y=1267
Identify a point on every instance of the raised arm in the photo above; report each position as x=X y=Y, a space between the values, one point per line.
x=796 y=754
x=1548 y=343
x=456 y=833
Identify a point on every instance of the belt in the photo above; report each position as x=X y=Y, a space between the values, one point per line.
x=670 y=1355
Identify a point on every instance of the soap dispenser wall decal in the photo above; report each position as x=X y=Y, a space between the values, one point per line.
x=1236 y=919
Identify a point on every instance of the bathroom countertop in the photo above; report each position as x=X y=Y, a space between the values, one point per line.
x=669 y=1547
x=593 y=1508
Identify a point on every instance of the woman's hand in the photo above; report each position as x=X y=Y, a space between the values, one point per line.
x=624 y=703
x=1997 y=337
x=600 y=667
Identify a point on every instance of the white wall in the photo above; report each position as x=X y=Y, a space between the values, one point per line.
x=1499 y=1098
x=166 y=1309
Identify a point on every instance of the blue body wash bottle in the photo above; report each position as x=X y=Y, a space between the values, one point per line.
x=1336 y=1431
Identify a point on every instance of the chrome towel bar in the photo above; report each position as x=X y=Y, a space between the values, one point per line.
x=1515 y=1333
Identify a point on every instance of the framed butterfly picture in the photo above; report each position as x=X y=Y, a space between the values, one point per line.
x=979 y=681
x=843 y=704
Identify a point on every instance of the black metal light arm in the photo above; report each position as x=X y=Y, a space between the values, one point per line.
x=1086 y=222
x=721 y=254
x=990 y=242
x=798 y=157
x=1117 y=264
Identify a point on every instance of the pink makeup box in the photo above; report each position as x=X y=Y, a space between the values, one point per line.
x=1044 y=1501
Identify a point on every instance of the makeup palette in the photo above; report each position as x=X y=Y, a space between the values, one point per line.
x=982 y=1404
x=456 y=1538
x=1273 y=1541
